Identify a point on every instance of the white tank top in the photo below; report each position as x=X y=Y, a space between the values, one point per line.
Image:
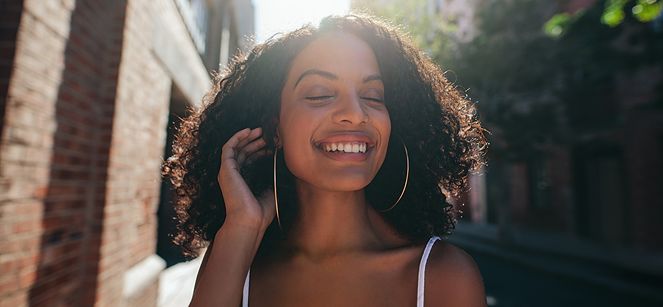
x=420 y=279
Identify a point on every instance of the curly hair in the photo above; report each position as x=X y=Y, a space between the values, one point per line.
x=429 y=115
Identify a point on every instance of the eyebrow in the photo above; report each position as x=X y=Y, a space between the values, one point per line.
x=331 y=76
x=373 y=78
x=322 y=73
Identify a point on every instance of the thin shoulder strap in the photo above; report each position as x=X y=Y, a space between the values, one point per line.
x=422 y=271
x=245 y=292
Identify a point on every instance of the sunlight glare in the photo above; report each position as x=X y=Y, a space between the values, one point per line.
x=274 y=16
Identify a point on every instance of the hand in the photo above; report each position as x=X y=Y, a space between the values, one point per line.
x=242 y=207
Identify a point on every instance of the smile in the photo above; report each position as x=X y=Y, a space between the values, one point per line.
x=346 y=146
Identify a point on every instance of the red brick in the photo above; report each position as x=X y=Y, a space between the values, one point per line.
x=85 y=131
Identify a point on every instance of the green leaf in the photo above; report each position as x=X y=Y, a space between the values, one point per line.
x=647 y=10
x=557 y=25
x=613 y=15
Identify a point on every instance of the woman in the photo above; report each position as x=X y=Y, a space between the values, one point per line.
x=319 y=168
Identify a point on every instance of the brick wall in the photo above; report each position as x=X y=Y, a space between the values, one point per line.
x=138 y=141
x=10 y=16
x=82 y=142
x=85 y=105
x=54 y=150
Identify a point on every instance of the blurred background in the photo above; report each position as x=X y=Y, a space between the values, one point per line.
x=566 y=213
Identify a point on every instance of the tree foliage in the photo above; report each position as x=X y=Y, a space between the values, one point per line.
x=613 y=14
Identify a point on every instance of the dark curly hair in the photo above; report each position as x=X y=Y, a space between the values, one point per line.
x=428 y=114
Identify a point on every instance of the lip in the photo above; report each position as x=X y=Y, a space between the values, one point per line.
x=346 y=156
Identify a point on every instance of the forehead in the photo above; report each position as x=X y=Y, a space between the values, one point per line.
x=337 y=52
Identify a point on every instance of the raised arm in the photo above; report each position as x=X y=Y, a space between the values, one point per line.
x=228 y=258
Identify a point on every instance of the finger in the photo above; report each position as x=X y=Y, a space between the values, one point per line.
x=250 y=149
x=241 y=148
x=228 y=150
x=253 y=134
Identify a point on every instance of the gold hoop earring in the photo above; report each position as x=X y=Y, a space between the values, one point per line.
x=407 y=177
x=276 y=197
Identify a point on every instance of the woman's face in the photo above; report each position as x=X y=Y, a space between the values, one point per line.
x=334 y=126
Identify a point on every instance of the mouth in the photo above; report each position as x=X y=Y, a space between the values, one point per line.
x=346 y=147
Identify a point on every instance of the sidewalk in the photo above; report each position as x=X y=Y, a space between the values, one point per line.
x=176 y=284
x=618 y=270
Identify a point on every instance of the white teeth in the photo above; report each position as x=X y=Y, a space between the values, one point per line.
x=346 y=147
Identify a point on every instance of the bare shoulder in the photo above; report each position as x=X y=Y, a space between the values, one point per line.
x=453 y=278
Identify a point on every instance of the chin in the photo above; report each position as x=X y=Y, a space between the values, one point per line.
x=348 y=184
x=346 y=180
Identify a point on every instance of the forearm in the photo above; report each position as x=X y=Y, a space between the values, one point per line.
x=221 y=279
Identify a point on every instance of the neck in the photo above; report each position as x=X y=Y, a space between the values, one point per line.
x=331 y=223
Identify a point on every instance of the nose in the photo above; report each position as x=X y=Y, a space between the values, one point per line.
x=350 y=110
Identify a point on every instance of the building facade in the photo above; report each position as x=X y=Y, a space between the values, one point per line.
x=89 y=94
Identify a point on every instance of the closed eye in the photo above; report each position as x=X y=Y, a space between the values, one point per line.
x=373 y=99
x=319 y=97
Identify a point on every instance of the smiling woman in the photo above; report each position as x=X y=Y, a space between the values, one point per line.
x=333 y=95
x=319 y=167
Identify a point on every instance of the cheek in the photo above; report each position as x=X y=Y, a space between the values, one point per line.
x=297 y=127
x=295 y=139
x=383 y=125
x=387 y=126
